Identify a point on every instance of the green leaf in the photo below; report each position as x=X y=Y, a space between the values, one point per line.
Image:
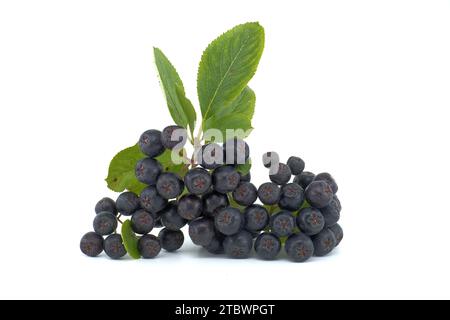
x=227 y=65
x=168 y=166
x=244 y=104
x=180 y=108
x=244 y=168
x=230 y=121
x=121 y=173
x=130 y=240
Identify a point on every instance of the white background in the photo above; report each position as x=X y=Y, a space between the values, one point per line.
x=357 y=88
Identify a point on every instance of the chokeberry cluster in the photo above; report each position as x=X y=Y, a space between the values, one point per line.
x=224 y=212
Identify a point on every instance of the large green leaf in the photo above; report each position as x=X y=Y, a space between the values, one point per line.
x=227 y=122
x=180 y=108
x=244 y=104
x=121 y=173
x=227 y=65
x=130 y=240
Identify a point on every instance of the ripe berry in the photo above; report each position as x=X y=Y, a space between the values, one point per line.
x=147 y=171
x=151 y=201
x=114 y=247
x=338 y=233
x=173 y=136
x=236 y=151
x=304 y=179
x=282 y=175
x=127 y=203
x=171 y=240
x=225 y=179
x=170 y=217
x=246 y=177
x=105 y=223
x=214 y=201
x=331 y=213
x=296 y=164
x=292 y=197
x=324 y=176
x=299 y=247
x=228 y=221
x=198 y=181
x=169 y=185
x=201 y=231
x=267 y=246
x=142 y=222
x=245 y=194
x=149 y=246
x=216 y=244
x=210 y=156
x=238 y=246
x=324 y=242
x=282 y=224
x=270 y=158
x=269 y=193
x=256 y=218
x=310 y=221
x=106 y=204
x=319 y=194
x=150 y=143
x=190 y=207
x=91 y=244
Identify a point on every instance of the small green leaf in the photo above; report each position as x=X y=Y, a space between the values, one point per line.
x=121 y=173
x=227 y=65
x=168 y=166
x=130 y=240
x=180 y=107
x=244 y=168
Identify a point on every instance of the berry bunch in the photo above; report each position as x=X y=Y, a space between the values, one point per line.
x=216 y=199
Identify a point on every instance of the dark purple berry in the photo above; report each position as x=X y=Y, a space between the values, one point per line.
x=324 y=242
x=226 y=179
x=338 y=233
x=170 y=217
x=174 y=136
x=201 y=231
x=269 y=193
x=171 y=240
x=245 y=194
x=105 y=223
x=299 y=247
x=198 y=181
x=210 y=156
x=216 y=244
x=106 y=204
x=256 y=218
x=149 y=246
x=151 y=201
x=331 y=213
x=114 y=247
x=304 y=179
x=296 y=164
x=148 y=170
x=324 y=176
x=239 y=245
x=229 y=221
x=169 y=185
x=127 y=203
x=319 y=194
x=267 y=246
x=190 y=207
x=91 y=244
x=282 y=224
x=150 y=143
x=236 y=151
x=310 y=221
x=214 y=201
x=292 y=197
x=246 y=177
x=142 y=222
x=282 y=175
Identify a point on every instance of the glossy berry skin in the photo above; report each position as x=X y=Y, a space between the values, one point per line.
x=169 y=185
x=127 y=203
x=210 y=156
x=282 y=224
x=106 y=204
x=149 y=246
x=338 y=233
x=296 y=164
x=256 y=218
x=236 y=151
x=245 y=194
x=216 y=244
x=267 y=246
x=299 y=247
x=270 y=157
x=331 y=213
x=190 y=207
x=171 y=219
x=148 y=170
x=174 y=136
x=292 y=197
x=198 y=181
x=269 y=193
x=304 y=179
x=105 y=223
x=201 y=231
x=229 y=221
x=171 y=240
x=239 y=245
x=324 y=242
x=150 y=143
x=319 y=194
x=324 y=176
x=214 y=201
x=225 y=179
x=142 y=222
x=282 y=176
x=113 y=246
x=151 y=201
x=91 y=244
x=310 y=221
x=246 y=177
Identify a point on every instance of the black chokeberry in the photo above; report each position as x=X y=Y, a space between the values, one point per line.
x=331 y=213
x=282 y=224
x=151 y=201
x=310 y=221
x=127 y=203
x=325 y=176
x=296 y=164
x=105 y=223
x=171 y=218
x=319 y=194
x=201 y=231
x=106 y=204
x=282 y=174
x=304 y=179
x=214 y=201
x=225 y=179
x=299 y=247
x=256 y=218
x=239 y=245
x=324 y=242
x=174 y=136
x=169 y=185
x=150 y=143
x=229 y=221
x=113 y=246
x=198 y=181
x=292 y=197
x=149 y=246
x=267 y=246
x=245 y=194
x=171 y=240
x=338 y=233
x=142 y=222
x=148 y=170
x=190 y=206
x=269 y=193
x=91 y=244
